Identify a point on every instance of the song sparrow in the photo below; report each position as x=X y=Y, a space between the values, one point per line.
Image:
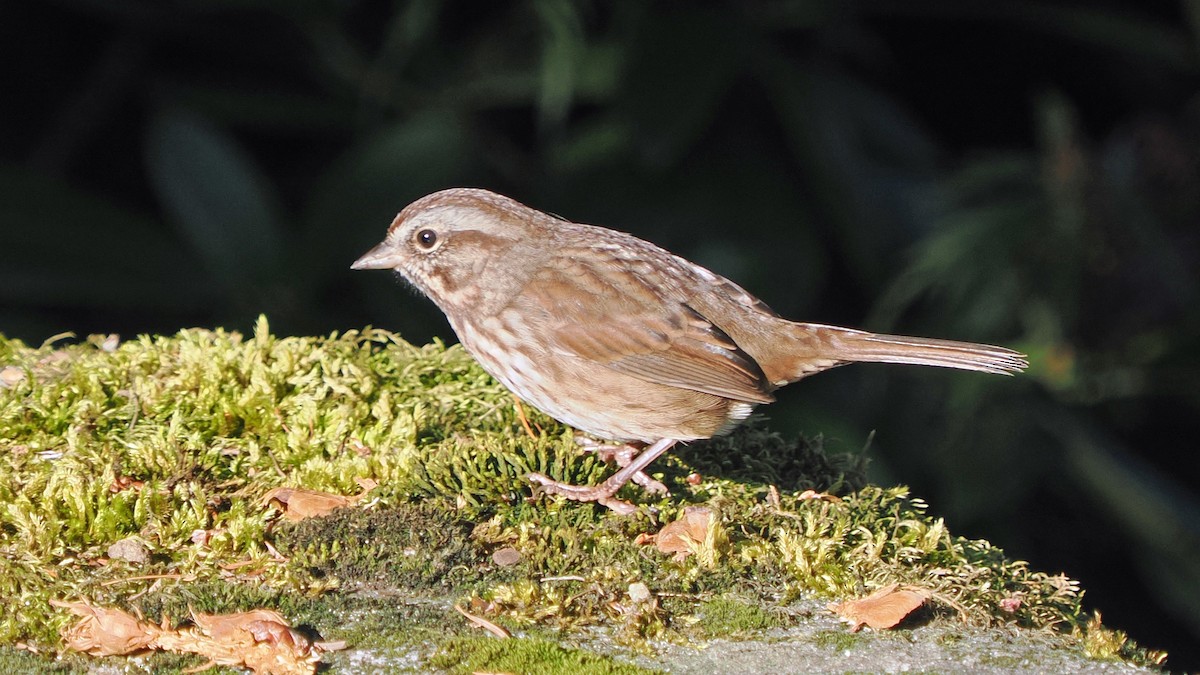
x=615 y=336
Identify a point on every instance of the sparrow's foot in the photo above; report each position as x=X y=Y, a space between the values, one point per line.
x=603 y=493
x=622 y=454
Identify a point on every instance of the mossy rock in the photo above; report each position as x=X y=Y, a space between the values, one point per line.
x=176 y=440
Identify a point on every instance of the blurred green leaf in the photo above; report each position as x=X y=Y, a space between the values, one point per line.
x=362 y=191
x=682 y=64
x=1155 y=511
x=563 y=48
x=252 y=106
x=1117 y=30
x=870 y=165
x=217 y=197
x=64 y=247
x=590 y=145
x=390 y=168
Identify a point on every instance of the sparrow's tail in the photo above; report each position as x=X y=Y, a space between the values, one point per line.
x=824 y=347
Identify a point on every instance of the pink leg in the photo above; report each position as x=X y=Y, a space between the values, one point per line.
x=622 y=454
x=604 y=492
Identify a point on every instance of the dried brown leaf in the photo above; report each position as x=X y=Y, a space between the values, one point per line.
x=300 y=503
x=229 y=626
x=260 y=640
x=682 y=536
x=882 y=609
x=106 y=632
x=123 y=483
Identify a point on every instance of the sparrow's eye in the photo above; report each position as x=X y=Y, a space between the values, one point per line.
x=427 y=239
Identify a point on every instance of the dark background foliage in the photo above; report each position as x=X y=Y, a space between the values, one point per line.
x=1019 y=172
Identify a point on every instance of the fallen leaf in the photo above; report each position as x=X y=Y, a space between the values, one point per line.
x=260 y=640
x=106 y=632
x=226 y=626
x=882 y=609
x=683 y=536
x=300 y=503
x=123 y=483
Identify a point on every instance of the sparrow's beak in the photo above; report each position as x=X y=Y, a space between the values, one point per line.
x=382 y=257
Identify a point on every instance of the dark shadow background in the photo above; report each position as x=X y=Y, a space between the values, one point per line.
x=1026 y=173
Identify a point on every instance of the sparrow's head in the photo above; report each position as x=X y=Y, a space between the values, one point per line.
x=444 y=244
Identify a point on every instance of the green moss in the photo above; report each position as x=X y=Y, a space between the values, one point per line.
x=727 y=615
x=18 y=661
x=762 y=458
x=407 y=547
x=949 y=638
x=1106 y=644
x=532 y=655
x=387 y=619
x=176 y=439
x=159 y=663
x=837 y=640
x=1004 y=661
x=175 y=601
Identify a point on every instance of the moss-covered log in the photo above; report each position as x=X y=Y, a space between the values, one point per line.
x=172 y=442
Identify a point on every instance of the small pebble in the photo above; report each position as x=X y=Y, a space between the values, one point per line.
x=131 y=550
x=11 y=376
x=506 y=557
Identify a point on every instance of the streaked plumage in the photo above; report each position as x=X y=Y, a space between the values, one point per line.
x=614 y=335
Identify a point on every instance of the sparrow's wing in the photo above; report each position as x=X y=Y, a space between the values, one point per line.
x=634 y=324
